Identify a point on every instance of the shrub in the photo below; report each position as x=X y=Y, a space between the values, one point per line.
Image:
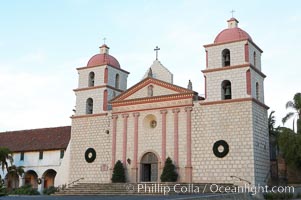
x=50 y=190
x=277 y=196
x=118 y=173
x=25 y=190
x=169 y=173
x=3 y=191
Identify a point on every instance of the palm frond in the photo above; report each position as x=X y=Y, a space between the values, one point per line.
x=297 y=102
x=290 y=104
x=287 y=117
x=271 y=121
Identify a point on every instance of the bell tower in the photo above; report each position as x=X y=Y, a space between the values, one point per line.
x=234 y=98
x=99 y=82
x=233 y=66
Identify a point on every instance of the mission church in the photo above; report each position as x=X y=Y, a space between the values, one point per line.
x=209 y=139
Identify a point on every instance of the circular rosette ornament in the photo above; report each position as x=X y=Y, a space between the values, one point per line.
x=220 y=148
x=90 y=155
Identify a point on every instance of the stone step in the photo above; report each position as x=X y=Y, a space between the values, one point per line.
x=132 y=188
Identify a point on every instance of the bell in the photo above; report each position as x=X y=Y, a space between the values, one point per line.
x=227 y=58
x=228 y=90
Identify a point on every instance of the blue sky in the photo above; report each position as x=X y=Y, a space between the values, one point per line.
x=42 y=42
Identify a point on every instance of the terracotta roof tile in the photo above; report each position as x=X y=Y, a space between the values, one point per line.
x=36 y=139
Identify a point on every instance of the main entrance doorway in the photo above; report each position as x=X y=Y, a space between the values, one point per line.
x=149 y=168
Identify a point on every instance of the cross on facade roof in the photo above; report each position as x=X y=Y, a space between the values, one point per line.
x=104 y=40
x=157 y=49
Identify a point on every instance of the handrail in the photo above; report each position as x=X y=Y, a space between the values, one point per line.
x=64 y=186
x=241 y=179
x=74 y=181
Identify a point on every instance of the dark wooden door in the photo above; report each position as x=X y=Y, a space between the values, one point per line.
x=146 y=172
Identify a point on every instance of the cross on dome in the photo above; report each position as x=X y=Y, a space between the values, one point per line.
x=232 y=12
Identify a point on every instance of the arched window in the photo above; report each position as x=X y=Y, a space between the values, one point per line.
x=226 y=57
x=89 y=106
x=257 y=90
x=91 y=79
x=150 y=91
x=254 y=58
x=117 y=81
x=226 y=90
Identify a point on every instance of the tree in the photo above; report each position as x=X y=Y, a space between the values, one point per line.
x=295 y=105
x=169 y=173
x=118 y=173
x=5 y=155
x=290 y=145
x=16 y=171
x=273 y=136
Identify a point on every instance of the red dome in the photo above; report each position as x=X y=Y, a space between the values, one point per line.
x=103 y=59
x=232 y=34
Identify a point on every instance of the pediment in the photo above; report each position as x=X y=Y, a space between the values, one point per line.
x=159 y=88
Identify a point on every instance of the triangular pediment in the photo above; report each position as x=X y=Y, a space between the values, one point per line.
x=159 y=88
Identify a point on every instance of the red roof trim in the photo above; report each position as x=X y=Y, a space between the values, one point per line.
x=88 y=115
x=146 y=100
x=216 y=44
x=97 y=87
x=234 y=101
x=88 y=67
x=144 y=83
x=235 y=67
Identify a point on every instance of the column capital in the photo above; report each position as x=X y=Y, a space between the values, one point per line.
x=163 y=111
x=136 y=114
x=114 y=116
x=125 y=115
x=188 y=109
x=176 y=110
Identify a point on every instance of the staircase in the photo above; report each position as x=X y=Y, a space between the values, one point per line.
x=137 y=189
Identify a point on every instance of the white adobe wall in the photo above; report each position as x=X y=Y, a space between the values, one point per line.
x=237 y=54
x=253 y=49
x=257 y=78
x=62 y=176
x=83 y=76
x=237 y=77
x=160 y=72
x=231 y=122
x=81 y=99
x=157 y=91
x=260 y=144
x=150 y=140
x=90 y=132
x=122 y=78
x=51 y=160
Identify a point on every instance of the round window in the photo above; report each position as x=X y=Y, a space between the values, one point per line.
x=150 y=121
x=153 y=124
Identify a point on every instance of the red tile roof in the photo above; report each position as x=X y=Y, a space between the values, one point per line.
x=232 y=34
x=103 y=59
x=36 y=139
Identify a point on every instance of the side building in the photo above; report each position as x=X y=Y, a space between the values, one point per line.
x=40 y=152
